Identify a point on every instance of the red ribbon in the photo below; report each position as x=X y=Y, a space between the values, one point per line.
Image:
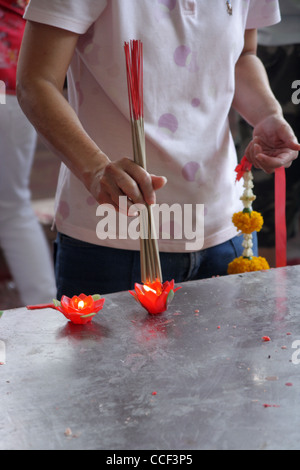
x=280 y=218
x=241 y=169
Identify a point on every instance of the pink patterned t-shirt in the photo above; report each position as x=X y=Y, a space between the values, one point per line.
x=190 y=51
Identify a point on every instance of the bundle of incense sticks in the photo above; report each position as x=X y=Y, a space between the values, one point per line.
x=150 y=261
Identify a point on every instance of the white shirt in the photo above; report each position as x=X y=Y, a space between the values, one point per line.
x=190 y=51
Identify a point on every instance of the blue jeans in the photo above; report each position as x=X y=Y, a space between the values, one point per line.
x=81 y=267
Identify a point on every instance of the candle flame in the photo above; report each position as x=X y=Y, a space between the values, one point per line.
x=81 y=304
x=149 y=289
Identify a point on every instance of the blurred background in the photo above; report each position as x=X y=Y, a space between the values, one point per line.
x=43 y=186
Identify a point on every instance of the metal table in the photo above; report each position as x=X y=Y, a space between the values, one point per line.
x=182 y=380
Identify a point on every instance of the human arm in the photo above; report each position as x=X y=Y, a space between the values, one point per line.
x=274 y=143
x=44 y=59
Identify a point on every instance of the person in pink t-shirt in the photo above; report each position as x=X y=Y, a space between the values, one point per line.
x=199 y=60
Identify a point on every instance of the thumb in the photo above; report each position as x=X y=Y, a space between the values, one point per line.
x=294 y=145
x=288 y=136
x=158 y=182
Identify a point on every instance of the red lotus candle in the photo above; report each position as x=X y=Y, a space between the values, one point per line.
x=78 y=309
x=154 y=297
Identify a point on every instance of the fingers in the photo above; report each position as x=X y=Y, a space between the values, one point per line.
x=269 y=160
x=274 y=144
x=126 y=178
x=288 y=138
x=294 y=145
x=121 y=179
x=270 y=164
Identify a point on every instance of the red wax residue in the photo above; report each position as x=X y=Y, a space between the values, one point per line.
x=289 y=384
x=154 y=393
x=270 y=406
x=266 y=339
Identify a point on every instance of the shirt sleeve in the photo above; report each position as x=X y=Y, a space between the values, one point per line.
x=263 y=13
x=72 y=15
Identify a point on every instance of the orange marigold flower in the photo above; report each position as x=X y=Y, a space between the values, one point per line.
x=248 y=222
x=246 y=265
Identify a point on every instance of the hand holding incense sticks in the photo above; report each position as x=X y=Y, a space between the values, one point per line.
x=150 y=261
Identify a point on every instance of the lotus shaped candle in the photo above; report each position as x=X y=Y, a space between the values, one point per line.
x=155 y=297
x=78 y=309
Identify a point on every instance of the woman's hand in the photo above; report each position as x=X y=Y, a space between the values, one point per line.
x=125 y=178
x=274 y=144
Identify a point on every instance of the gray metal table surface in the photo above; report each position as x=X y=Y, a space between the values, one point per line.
x=199 y=376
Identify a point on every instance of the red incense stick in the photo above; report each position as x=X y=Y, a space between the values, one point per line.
x=135 y=78
x=150 y=262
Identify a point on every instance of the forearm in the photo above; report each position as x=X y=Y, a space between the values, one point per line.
x=56 y=121
x=45 y=57
x=274 y=144
x=58 y=124
x=254 y=99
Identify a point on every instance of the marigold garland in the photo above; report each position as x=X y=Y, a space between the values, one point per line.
x=247 y=222
x=247 y=265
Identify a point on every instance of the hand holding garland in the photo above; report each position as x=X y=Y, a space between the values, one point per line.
x=274 y=144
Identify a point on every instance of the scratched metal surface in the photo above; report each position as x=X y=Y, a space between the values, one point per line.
x=211 y=382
